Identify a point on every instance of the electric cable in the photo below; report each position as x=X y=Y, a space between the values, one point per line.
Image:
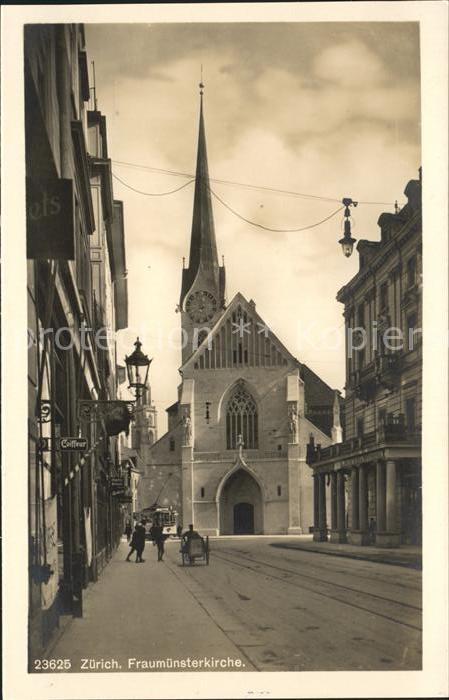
x=275 y=230
x=151 y=194
x=240 y=216
x=290 y=193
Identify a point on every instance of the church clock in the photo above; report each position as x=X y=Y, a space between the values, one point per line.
x=201 y=306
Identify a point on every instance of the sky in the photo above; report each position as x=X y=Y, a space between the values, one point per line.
x=328 y=110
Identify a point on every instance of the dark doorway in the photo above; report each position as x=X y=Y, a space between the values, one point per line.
x=243 y=519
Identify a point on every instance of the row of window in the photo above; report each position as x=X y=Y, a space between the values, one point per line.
x=394 y=341
x=383 y=292
x=410 y=418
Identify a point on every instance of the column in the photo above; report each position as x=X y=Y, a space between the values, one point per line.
x=333 y=500
x=187 y=486
x=355 y=499
x=296 y=516
x=363 y=503
x=341 y=507
x=322 y=525
x=316 y=507
x=392 y=536
x=380 y=498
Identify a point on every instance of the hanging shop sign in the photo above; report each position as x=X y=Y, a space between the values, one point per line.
x=117 y=483
x=116 y=414
x=72 y=444
x=125 y=499
x=49 y=218
x=43 y=444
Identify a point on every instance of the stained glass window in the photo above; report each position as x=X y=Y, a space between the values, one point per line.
x=241 y=419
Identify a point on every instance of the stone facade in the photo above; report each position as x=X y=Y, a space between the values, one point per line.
x=378 y=464
x=234 y=458
x=74 y=521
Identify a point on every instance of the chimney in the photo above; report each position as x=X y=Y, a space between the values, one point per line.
x=413 y=194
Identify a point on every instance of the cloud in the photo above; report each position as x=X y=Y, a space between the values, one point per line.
x=350 y=64
x=325 y=109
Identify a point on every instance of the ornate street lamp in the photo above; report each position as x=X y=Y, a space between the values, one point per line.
x=137 y=367
x=347 y=242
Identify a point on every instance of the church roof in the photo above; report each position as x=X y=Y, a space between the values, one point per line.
x=203 y=244
x=256 y=326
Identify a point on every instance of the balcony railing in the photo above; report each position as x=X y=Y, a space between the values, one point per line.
x=383 y=371
x=393 y=431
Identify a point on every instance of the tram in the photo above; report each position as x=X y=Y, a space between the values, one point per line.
x=165 y=516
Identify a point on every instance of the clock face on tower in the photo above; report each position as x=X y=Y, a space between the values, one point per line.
x=201 y=306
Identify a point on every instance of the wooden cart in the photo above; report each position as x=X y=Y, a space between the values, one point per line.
x=195 y=549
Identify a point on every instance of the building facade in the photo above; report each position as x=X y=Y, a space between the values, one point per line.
x=234 y=458
x=373 y=477
x=77 y=299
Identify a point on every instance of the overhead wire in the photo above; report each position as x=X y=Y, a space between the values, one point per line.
x=275 y=230
x=233 y=211
x=151 y=194
x=265 y=188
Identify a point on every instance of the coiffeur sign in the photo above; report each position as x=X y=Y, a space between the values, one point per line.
x=50 y=231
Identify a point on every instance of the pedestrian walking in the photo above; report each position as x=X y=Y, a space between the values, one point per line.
x=153 y=531
x=372 y=530
x=128 y=530
x=137 y=543
x=159 y=538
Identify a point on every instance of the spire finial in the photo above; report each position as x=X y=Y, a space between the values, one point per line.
x=201 y=85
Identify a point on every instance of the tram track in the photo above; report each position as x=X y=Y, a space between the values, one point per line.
x=244 y=555
x=254 y=565
x=381 y=581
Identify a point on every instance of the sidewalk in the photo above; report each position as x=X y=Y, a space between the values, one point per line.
x=409 y=556
x=141 y=612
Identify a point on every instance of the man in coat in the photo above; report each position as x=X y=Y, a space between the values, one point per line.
x=159 y=538
x=137 y=543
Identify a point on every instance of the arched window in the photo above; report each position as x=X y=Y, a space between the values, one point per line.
x=241 y=419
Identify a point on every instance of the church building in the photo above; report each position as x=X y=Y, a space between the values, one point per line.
x=233 y=460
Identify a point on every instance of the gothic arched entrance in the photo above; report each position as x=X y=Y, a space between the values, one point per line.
x=243 y=519
x=241 y=505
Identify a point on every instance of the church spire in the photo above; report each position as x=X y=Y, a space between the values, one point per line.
x=203 y=244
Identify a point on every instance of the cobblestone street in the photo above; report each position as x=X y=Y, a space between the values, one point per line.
x=262 y=604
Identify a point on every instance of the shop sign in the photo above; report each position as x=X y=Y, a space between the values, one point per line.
x=125 y=499
x=72 y=444
x=49 y=219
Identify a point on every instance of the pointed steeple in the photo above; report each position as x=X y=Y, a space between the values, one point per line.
x=203 y=244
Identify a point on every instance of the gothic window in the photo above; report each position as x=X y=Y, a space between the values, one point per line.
x=241 y=419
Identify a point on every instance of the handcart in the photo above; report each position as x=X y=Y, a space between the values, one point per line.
x=195 y=549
